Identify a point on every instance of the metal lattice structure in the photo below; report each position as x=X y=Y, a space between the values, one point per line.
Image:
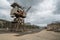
x=19 y=14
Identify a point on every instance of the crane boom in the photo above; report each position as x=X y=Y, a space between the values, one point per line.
x=28 y=9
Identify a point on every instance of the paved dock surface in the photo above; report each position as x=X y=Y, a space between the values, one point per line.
x=42 y=35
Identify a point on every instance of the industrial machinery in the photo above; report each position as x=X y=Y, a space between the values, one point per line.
x=18 y=13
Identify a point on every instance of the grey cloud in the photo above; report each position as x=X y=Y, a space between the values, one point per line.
x=44 y=20
x=36 y=19
x=57 y=11
x=4 y=9
x=2 y=16
x=29 y=2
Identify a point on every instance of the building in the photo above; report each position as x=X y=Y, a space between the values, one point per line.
x=54 y=26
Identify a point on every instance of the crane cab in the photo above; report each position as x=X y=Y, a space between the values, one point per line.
x=17 y=11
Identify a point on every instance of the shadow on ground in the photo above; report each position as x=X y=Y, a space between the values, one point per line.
x=28 y=32
x=20 y=33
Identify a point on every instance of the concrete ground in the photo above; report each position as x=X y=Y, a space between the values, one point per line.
x=42 y=35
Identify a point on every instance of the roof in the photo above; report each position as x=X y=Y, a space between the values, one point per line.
x=15 y=4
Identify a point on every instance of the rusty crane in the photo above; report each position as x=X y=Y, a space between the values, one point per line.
x=18 y=13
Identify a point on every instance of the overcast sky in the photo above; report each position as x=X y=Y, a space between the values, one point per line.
x=41 y=13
